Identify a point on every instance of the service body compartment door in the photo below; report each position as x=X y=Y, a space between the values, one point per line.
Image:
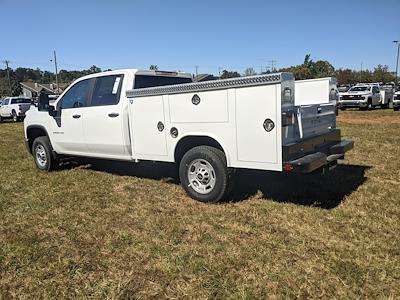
x=148 y=132
x=254 y=106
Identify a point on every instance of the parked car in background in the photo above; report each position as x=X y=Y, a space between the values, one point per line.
x=396 y=101
x=14 y=108
x=364 y=96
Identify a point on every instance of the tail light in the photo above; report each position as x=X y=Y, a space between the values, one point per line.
x=288 y=118
x=287 y=168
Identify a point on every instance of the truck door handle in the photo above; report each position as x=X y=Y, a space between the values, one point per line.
x=113 y=115
x=76 y=116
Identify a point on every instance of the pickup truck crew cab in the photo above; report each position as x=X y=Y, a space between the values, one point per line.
x=365 y=96
x=14 y=108
x=207 y=128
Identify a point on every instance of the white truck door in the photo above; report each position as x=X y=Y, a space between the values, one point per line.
x=103 y=119
x=67 y=128
x=254 y=106
x=376 y=95
x=148 y=127
x=3 y=108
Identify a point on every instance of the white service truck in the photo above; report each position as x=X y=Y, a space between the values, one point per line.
x=396 y=101
x=14 y=108
x=208 y=128
x=365 y=96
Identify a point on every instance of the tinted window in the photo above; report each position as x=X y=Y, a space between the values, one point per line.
x=5 y=102
x=78 y=95
x=20 y=101
x=107 y=90
x=144 y=81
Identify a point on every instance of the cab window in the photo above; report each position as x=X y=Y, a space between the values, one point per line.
x=78 y=95
x=107 y=90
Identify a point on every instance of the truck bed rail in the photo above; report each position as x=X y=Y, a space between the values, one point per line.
x=211 y=85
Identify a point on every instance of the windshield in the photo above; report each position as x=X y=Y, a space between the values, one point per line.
x=20 y=101
x=359 y=89
x=145 y=81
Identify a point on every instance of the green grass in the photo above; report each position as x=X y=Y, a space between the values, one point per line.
x=118 y=230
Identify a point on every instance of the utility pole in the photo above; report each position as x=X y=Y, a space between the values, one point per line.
x=55 y=65
x=219 y=71
x=397 y=60
x=361 y=72
x=8 y=75
x=272 y=63
x=197 y=73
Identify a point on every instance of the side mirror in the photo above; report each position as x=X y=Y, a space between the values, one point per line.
x=52 y=111
x=43 y=104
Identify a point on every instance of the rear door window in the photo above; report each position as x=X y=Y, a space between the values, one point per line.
x=107 y=90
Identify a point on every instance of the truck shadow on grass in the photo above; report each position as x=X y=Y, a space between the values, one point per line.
x=315 y=190
x=323 y=191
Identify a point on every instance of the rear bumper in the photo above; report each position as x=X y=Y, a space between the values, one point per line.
x=315 y=153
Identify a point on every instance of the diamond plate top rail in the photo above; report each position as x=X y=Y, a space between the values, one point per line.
x=210 y=85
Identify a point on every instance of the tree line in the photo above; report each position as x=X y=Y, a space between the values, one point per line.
x=19 y=75
x=322 y=68
x=309 y=69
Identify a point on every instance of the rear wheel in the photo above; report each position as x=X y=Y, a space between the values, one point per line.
x=43 y=155
x=204 y=174
x=1 y=119
x=14 y=116
x=396 y=108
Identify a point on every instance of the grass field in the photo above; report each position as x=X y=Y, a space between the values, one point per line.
x=116 y=230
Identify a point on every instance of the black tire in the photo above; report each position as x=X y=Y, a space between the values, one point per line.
x=396 y=108
x=343 y=108
x=46 y=160
x=14 y=116
x=370 y=106
x=1 y=119
x=220 y=173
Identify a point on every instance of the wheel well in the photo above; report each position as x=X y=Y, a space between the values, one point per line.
x=33 y=133
x=189 y=142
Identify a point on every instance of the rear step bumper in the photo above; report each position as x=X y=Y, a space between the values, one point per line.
x=324 y=155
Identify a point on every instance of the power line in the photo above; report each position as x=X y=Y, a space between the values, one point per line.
x=8 y=74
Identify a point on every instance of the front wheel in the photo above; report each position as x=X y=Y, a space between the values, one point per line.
x=43 y=155
x=204 y=174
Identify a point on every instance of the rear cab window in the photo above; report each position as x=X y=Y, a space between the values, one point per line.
x=20 y=101
x=146 y=81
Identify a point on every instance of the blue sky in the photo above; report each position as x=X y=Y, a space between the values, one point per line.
x=179 y=35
